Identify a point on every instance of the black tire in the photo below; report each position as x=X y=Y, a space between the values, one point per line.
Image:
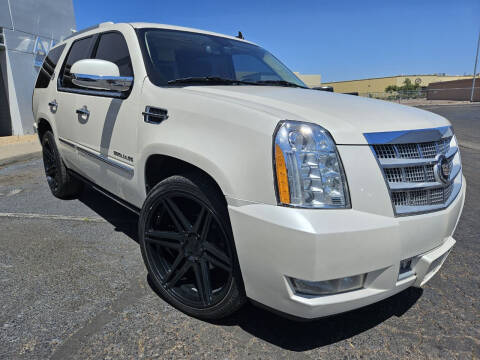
x=187 y=245
x=62 y=185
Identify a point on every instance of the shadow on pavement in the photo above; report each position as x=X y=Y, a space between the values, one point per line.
x=123 y=219
x=301 y=336
x=266 y=325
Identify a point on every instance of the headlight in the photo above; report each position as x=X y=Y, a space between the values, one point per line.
x=308 y=169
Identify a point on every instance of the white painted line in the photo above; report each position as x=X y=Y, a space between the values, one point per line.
x=51 y=217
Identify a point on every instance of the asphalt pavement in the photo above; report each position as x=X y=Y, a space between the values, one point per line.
x=73 y=285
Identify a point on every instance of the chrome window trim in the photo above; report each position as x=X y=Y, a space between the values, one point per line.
x=416 y=136
x=103 y=93
x=100 y=157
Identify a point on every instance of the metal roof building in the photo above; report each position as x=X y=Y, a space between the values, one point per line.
x=28 y=29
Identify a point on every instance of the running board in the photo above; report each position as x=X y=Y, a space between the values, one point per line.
x=108 y=194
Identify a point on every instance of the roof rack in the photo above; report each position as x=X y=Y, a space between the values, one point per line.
x=89 y=28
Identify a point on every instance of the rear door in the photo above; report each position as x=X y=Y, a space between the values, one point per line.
x=44 y=95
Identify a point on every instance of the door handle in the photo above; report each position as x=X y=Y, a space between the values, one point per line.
x=83 y=111
x=53 y=105
x=154 y=115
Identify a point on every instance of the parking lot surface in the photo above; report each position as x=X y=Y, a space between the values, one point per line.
x=73 y=285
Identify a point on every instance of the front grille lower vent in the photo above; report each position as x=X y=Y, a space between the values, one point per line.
x=422 y=197
x=415 y=171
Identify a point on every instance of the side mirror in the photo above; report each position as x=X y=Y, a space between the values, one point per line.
x=99 y=75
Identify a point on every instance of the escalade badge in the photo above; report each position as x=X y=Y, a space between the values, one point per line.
x=443 y=169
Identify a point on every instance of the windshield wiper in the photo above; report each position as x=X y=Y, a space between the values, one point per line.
x=210 y=80
x=225 y=81
x=280 y=83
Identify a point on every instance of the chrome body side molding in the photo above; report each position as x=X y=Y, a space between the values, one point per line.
x=114 y=163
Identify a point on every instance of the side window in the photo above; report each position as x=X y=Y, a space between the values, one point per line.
x=48 y=67
x=113 y=47
x=80 y=49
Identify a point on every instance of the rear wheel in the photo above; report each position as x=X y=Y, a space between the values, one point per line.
x=187 y=245
x=62 y=185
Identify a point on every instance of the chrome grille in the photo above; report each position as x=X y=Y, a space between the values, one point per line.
x=421 y=197
x=412 y=169
x=407 y=151
x=415 y=173
x=385 y=151
x=394 y=175
x=413 y=151
x=422 y=173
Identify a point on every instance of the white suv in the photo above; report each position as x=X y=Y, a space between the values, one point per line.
x=248 y=184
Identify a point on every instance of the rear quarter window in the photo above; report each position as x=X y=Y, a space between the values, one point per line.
x=48 y=67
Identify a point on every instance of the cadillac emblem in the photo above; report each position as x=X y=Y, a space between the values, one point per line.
x=443 y=169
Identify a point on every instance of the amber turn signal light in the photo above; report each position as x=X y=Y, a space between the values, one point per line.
x=282 y=176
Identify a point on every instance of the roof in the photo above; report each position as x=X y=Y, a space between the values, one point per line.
x=139 y=25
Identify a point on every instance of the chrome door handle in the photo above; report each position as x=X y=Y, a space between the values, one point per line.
x=83 y=111
x=154 y=115
x=53 y=105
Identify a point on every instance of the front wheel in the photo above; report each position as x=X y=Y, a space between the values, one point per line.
x=187 y=246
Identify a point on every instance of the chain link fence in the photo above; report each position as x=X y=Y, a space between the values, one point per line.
x=396 y=95
x=448 y=94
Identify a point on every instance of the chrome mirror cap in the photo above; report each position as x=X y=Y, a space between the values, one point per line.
x=110 y=83
x=99 y=74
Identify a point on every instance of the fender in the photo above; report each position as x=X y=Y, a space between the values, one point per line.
x=195 y=159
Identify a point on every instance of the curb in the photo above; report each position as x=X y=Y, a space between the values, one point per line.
x=18 y=158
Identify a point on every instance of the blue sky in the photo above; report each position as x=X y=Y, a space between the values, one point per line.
x=338 y=39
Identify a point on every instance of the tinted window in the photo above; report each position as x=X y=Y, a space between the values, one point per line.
x=171 y=54
x=48 y=67
x=251 y=68
x=80 y=49
x=113 y=47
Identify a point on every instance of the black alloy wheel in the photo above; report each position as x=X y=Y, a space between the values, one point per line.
x=61 y=184
x=50 y=164
x=188 y=250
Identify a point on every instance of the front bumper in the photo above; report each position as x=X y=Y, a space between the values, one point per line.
x=275 y=243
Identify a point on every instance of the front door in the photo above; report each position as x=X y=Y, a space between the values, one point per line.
x=104 y=132
x=64 y=110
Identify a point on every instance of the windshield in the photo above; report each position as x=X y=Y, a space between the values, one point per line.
x=172 y=55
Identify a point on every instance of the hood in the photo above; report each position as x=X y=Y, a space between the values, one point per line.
x=346 y=117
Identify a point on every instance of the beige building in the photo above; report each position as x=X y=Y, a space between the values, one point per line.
x=378 y=85
x=311 y=80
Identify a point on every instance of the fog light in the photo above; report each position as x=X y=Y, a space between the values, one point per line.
x=405 y=270
x=328 y=287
